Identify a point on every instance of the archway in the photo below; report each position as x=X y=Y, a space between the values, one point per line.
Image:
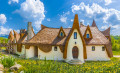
x=75 y=52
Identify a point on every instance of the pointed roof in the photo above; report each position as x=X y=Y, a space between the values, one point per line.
x=76 y=21
x=94 y=24
x=16 y=35
x=106 y=32
x=61 y=29
x=42 y=26
x=11 y=37
x=88 y=29
x=75 y=26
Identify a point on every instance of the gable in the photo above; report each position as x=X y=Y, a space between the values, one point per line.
x=75 y=27
x=88 y=32
x=61 y=33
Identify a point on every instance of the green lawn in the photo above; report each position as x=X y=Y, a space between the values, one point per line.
x=116 y=52
x=38 y=66
x=45 y=66
x=3 y=48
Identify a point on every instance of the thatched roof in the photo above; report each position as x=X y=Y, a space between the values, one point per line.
x=11 y=37
x=49 y=36
x=94 y=24
x=16 y=35
x=106 y=32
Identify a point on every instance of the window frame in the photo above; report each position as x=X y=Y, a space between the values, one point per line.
x=103 y=48
x=61 y=33
x=93 y=48
x=87 y=36
x=55 y=48
x=75 y=35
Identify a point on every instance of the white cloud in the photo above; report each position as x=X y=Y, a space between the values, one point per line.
x=48 y=19
x=71 y=20
x=3 y=19
x=63 y=18
x=110 y=16
x=32 y=10
x=4 y=31
x=107 y=2
x=13 y=1
x=104 y=27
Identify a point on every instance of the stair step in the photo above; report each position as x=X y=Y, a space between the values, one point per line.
x=75 y=62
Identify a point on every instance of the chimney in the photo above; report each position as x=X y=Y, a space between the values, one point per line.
x=81 y=23
x=29 y=30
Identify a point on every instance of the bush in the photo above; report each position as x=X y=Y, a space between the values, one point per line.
x=7 y=61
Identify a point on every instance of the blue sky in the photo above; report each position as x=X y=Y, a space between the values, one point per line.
x=14 y=14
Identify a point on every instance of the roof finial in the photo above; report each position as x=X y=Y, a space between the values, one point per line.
x=94 y=24
x=76 y=21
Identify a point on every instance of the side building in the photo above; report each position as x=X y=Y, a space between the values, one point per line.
x=17 y=39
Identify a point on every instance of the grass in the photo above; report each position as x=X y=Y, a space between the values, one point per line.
x=3 y=48
x=116 y=52
x=40 y=66
x=43 y=66
x=7 y=61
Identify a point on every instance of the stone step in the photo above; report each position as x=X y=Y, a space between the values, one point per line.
x=75 y=62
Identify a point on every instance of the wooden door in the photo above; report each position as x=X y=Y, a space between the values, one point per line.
x=75 y=52
x=36 y=51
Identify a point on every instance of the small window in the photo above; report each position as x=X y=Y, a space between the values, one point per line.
x=103 y=48
x=75 y=35
x=93 y=48
x=88 y=36
x=61 y=34
x=55 y=48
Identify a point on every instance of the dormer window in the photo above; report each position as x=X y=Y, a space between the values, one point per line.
x=61 y=34
x=88 y=36
x=88 y=33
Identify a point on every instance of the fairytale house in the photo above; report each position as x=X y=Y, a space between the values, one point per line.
x=79 y=43
x=17 y=39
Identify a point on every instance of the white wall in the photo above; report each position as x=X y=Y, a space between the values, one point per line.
x=98 y=54
x=14 y=48
x=71 y=44
x=22 y=51
x=30 y=52
x=52 y=55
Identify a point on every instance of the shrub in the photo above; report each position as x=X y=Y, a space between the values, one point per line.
x=7 y=61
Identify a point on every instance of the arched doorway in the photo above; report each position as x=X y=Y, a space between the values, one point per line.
x=75 y=52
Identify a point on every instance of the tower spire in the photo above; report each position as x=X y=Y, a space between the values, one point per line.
x=76 y=21
x=94 y=24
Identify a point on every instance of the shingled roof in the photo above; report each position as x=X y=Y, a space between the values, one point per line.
x=106 y=32
x=49 y=36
